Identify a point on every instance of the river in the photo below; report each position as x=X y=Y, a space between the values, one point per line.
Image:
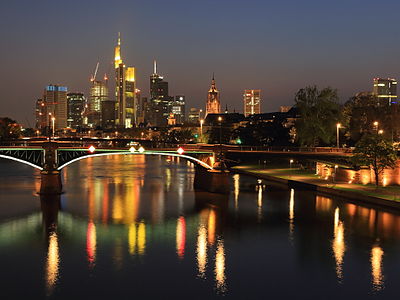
x=133 y=226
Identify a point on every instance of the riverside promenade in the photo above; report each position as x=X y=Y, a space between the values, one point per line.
x=388 y=196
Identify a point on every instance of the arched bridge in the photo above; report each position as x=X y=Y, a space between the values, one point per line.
x=52 y=156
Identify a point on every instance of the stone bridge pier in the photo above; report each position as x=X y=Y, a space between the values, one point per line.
x=50 y=176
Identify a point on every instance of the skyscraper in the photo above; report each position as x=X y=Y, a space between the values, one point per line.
x=386 y=90
x=178 y=109
x=125 y=86
x=76 y=106
x=55 y=101
x=40 y=114
x=159 y=99
x=98 y=95
x=251 y=102
x=213 y=105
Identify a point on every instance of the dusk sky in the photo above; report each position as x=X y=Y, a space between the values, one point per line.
x=275 y=46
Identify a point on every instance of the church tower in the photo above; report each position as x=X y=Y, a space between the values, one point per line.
x=213 y=105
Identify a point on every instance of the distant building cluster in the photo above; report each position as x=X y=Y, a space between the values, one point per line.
x=60 y=109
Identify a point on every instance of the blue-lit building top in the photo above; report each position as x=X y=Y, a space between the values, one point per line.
x=56 y=88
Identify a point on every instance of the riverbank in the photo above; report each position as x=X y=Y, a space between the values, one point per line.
x=388 y=196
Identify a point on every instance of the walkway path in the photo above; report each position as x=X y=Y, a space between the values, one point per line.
x=388 y=196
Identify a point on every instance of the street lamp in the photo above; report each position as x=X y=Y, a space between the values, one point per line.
x=380 y=131
x=291 y=162
x=220 y=136
x=337 y=134
x=201 y=127
x=53 y=120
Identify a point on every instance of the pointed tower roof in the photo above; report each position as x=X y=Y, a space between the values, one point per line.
x=213 y=86
x=117 y=57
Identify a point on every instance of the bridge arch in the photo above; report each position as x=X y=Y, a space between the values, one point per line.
x=21 y=161
x=187 y=157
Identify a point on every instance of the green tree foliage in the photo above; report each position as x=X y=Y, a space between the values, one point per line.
x=360 y=113
x=174 y=136
x=320 y=112
x=374 y=151
x=264 y=133
x=214 y=134
x=9 y=129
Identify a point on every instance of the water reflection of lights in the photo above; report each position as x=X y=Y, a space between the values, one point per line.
x=53 y=261
x=211 y=226
x=338 y=244
x=236 y=185
x=141 y=238
x=376 y=268
x=291 y=213
x=180 y=237
x=220 y=278
x=201 y=251
x=91 y=243
x=259 y=202
x=132 y=238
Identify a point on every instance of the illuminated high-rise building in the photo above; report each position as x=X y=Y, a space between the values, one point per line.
x=125 y=87
x=76 y=105
x=159 y=99
x=385 y=89
x=55 y=101
x=178 y=109
x=213 y=105
x=98 y=96
x=251 y=102
x=40 y=114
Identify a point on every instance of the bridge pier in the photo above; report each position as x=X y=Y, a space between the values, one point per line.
x=50 y=182
x=213 y=181
x=50 y=176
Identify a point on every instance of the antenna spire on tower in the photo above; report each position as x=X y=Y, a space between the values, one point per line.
x=155 y=67
x=119 y=38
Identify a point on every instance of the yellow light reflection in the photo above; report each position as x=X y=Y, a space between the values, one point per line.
x=141 y=238
x=201 y=250
x=338 y=244
x=291 y=213
x=132 y=238
x=53 y=261
x=91 y=243
x=211 y=226
x=376 y=268
x=236 y=178
x=180 y=237
x=259 y=203
x=220 y=278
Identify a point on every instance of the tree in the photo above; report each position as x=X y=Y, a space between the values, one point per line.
x=9 y=129
x=360 y=113
x=319 y=113
x=374 y=151
x=273 y=133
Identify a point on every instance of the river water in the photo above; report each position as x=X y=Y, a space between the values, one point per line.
x=133 y=226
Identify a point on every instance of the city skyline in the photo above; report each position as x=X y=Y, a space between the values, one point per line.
x=282 y=58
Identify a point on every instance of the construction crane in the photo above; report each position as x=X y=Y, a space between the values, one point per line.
x=95 y=73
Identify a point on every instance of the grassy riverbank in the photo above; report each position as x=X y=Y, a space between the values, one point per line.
x=388 y=193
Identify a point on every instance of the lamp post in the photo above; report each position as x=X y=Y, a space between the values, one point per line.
x=337 y=134
x=220 y=136
x=53 y=120
x=201 y=128
x=290 y=164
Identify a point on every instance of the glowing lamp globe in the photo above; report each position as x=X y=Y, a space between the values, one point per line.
x=92 y=149
x=180 y=150
x=132 y=149
x=141 y=150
